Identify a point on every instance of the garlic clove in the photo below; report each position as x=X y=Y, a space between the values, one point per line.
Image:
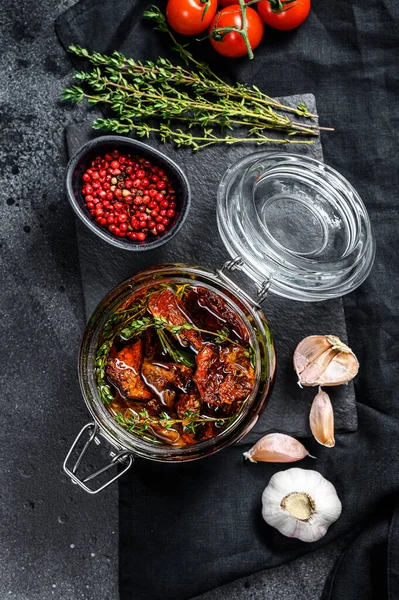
x=300 y=504
x=315 y=371
x=342 y=368
x=324 y=360
x=308 y=350
x=321 y=419
x=277 y=447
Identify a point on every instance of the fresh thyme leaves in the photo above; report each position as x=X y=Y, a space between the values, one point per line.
x=176 y=329
x=131 y=424
x=181 y=290
x=191 y=422
x=105 y=391
x=144 y=414
x=250 y=353
x=136 y=327
x=222 y=335
x=178 y=356
x=165 y=421
x=126 y=422
x=192 y=108
x=190 y=426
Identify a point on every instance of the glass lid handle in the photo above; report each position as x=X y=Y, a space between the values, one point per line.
x=91 y=433
x=237 y=264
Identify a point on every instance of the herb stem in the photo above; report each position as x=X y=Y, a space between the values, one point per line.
x=226 y=339
x=201 y=101
x=276 y=121
x=217 y=86
x=140 y=425
x=150 y=422
x=185 y=139
x=183 y=76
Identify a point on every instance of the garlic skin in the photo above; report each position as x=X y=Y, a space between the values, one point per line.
x=277 y=447
x=324 y=360
x=321 y=419
x=301 y=504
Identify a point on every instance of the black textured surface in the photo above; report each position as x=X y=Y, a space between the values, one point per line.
x=346 y=54
x=56 y=542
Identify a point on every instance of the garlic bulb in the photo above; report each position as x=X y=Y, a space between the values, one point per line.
x=321 y=419
x=277 y=447
x=324 y=360
x=300 y=504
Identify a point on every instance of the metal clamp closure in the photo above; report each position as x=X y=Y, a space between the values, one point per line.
x=236 y=264
x=123 y=457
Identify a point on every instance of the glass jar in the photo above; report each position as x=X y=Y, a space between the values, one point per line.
x=126 y=444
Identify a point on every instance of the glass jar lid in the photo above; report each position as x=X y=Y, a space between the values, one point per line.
x=295 y=226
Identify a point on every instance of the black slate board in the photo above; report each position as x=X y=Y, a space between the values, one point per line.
x=103 y=267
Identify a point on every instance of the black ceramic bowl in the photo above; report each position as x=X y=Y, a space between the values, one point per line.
x=100 y=146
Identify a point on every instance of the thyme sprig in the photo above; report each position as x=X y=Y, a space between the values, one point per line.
x=182 y=290
x=181 y=138
x=177 y=355
x=192 y=108
x=132 y=424
x=138 y=326
x=250 y=354
x=221 y=335
x=190 y=422
x=203 y=81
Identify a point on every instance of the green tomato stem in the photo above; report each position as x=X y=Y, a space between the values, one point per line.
x=218 y=33
x=206 y=4
x=244 y=29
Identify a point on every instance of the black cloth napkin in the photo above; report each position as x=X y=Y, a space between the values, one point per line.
x=185 y=529
x=369 y=568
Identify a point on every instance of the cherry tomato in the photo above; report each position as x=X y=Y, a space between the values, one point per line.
x=187 y=16
x=292 y=16
x=233 y=45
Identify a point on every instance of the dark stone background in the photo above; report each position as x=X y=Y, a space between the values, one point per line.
x=56 y=541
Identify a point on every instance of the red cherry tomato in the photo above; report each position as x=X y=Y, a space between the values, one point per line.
x=187 y=16
x=292 y=15
x=232 y=45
